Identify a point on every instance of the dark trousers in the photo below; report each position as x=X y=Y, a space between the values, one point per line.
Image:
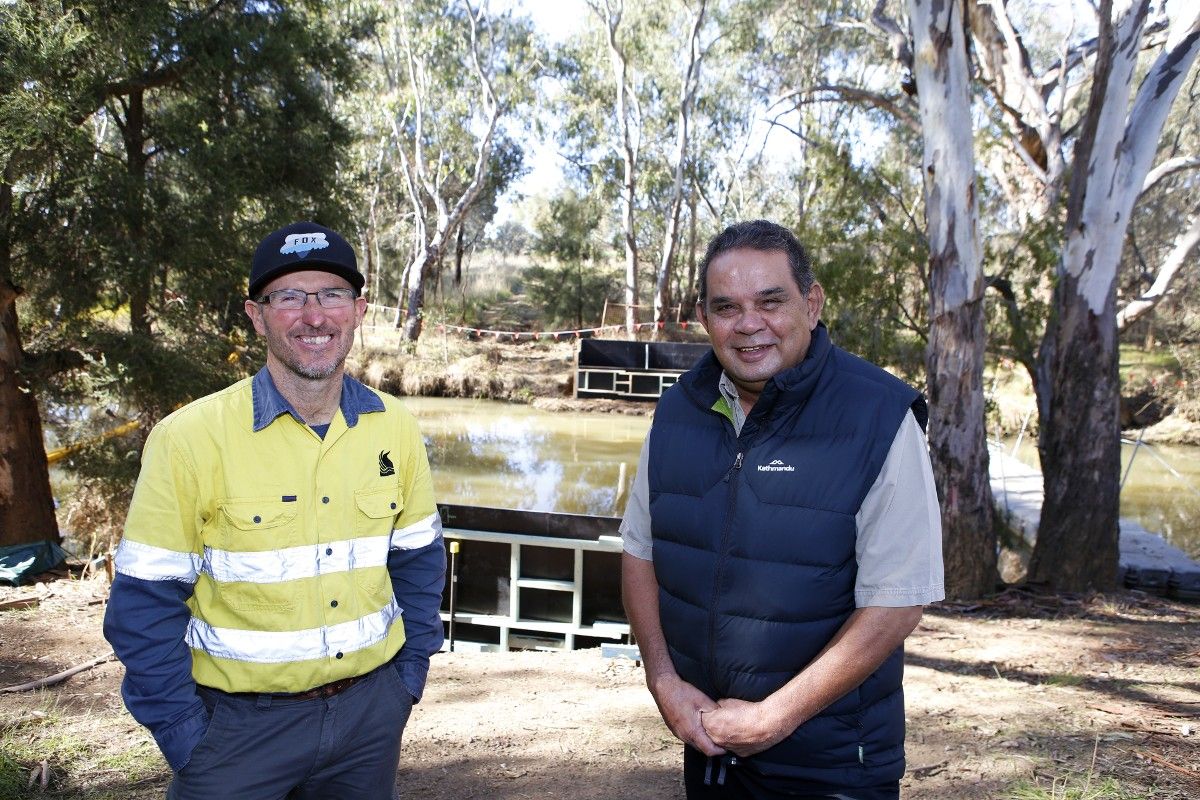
x=264 y=747
x=723 y=778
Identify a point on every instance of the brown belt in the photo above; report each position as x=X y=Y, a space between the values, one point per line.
x=324 y=691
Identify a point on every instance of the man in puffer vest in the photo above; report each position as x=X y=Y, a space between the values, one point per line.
x=278 y=584
x=781 y=539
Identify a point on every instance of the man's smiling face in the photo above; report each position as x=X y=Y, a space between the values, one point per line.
x=759 y=321
x=310 y=342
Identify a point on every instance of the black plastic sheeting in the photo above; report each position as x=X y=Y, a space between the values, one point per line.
x=640 y=355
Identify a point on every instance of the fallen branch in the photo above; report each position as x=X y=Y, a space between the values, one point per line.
x=58 y=677
x=24 y=602
x=920 y=773
x=1169 y=765
x=40 y=775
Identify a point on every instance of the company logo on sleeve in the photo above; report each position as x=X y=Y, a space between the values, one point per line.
x=776 y=466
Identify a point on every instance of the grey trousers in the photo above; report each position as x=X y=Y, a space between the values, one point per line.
x=263 y=747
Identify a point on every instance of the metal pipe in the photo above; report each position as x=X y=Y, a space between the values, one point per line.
x=453 y=588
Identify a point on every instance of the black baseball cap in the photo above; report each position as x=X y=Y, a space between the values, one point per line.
x=303 y=246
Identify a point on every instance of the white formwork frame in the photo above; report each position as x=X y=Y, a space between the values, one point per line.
x=511 y=625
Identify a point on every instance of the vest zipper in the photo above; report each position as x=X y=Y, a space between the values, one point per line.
x=737 y=464
x=725 y=533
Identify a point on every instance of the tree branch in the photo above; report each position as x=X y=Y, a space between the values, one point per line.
x=890 y=104
x=1022 y=342
x=1171 y=166
x=1185 y=242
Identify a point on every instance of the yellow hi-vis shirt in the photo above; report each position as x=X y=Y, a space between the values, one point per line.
x=285 y=535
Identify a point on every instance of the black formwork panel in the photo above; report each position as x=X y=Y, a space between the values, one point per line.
x=483 y=578
x=632 y=370
x=602 y=577
x=534 y=523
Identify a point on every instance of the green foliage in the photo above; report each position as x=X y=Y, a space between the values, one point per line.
x=511 y=239
x=567 y=228
x=869 y=257
x=1020 y=268
x=448 y=84
x=147 y=147
x=571 y=294
x=573 y=290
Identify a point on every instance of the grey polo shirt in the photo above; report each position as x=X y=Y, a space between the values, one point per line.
x=899 y=540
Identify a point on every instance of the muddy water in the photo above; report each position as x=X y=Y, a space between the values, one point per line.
x=1162 y=492
x=498 y=454
x=1161 y=489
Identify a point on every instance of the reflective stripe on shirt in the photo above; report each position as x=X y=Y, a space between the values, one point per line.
x=419 y=534
x=150 y=563
x=277 y=647
x=294 y=563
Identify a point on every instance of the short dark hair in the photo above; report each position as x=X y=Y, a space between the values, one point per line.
x=764 y=235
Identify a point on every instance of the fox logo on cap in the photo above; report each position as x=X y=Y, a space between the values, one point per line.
x=303 y=243
x=302 y=246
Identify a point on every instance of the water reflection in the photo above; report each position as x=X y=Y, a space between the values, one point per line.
x=514 y=456
x=1161 y=489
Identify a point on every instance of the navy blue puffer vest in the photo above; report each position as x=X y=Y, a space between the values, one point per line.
x=754 y=541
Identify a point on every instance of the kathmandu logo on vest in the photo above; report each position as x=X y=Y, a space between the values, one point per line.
x=776 y=466
x=385 y=464
x=303 y=243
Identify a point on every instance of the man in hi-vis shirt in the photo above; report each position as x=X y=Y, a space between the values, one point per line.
x=278 y=584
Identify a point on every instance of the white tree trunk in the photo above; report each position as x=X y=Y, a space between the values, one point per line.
x=610 y=12
x=954 y=357
x=425 y=179
x=1078 y=387
x=687 y=97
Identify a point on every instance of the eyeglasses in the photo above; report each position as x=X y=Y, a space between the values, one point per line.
x=295 y=299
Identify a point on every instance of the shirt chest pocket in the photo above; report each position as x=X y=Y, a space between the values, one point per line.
x=376 y=511
x=256 y=524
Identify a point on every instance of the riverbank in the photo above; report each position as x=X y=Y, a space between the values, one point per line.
x=1020 y=697
x=541 y=373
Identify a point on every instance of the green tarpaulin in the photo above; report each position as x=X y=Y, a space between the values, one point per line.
x=19 y=563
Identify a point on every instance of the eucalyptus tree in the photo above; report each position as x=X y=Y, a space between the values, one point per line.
x=1080 y=140
x=1078 y=389
x=569 y=228
x=170 y=137
x=656 y=112
x=456 y=73
x=1077 y=133
x=689 y=86
x=627 y=114
x=954 y=357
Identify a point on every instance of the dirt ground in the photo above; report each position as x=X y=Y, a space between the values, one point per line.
x=1018 y=697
